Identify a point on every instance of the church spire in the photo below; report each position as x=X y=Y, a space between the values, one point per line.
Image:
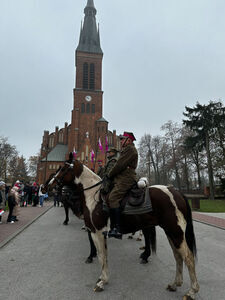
x=89 y=34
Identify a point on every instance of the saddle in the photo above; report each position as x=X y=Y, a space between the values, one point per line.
x=137 y=201
x=135 y=196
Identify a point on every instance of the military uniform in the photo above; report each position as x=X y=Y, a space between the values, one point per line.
x=124 y=175
x=108 y=183
x=100 y=171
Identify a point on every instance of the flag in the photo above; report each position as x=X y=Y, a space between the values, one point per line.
x=100 y=144
x=74 y=153
x=106 y=144
x=92 y=155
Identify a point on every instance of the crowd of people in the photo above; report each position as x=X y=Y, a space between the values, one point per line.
x=19 y=195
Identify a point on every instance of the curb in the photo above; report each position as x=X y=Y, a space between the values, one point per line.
x=212 y=225
x=12 y=236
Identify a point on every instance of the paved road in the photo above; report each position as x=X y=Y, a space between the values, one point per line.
x=46 y=261
x=26 y=216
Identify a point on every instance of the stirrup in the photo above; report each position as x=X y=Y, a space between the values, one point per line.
x=105 y=234
x=115 y=233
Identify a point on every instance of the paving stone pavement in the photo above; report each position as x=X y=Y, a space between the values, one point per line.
x=27 y=215
x=213 y=219
x=46 y=261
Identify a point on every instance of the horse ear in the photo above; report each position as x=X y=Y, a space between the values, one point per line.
x=70 y=157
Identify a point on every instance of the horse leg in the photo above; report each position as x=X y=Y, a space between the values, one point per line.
x=101 y=246
x=145 y=255
x=189 y=261
x=66 y=207
x=139 y=238
x=179 y=269
x=187 y=256
x=93 y=252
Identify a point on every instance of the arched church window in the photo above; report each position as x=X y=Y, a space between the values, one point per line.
x=60 y=137
x=88 y=108
x=82 y=108
x=85 y=76
x=92 y=77
x=51 y=142
x=93 y=108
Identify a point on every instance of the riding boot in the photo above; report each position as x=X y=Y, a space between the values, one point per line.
x=115 y=215
x=112 y=220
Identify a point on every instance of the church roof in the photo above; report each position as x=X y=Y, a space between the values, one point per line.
x=102 y=120
x=89 y=33
x=58 y=153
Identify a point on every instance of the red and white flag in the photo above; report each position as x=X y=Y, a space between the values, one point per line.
x=106 y=144
x=100 y=144
x=74 y=153
x=92 y=155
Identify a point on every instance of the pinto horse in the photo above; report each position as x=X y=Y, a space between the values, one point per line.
x=69 y=201
x=171 y=212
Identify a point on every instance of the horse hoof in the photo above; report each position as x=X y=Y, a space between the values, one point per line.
x=130 y=237
x=89 y=260
x=143 y=261
x=171 y=288
x=138 y=240
x=65 y=223
x=98 y=289
x=187 y=297
x=142 y=248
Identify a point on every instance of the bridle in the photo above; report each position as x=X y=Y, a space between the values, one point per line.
x=71 y=165
x=59 y=180
x=92 y=186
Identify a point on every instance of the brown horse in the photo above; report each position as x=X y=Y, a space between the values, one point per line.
x=171 y=211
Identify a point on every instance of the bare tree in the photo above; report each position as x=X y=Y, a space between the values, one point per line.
x=7 y=154
x=173 y=136
x=32 y=166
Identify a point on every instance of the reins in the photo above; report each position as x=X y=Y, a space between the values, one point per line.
x=85 y=189
x=90 y=187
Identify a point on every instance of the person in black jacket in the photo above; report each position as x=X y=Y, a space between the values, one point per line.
x=2 y=199
x=11 y=205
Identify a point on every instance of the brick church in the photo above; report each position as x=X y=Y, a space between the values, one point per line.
x=88 y=127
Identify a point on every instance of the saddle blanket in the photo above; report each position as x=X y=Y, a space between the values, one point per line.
x=145 y=207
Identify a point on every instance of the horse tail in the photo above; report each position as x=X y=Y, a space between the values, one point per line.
x=152 y=233
x=189 y=232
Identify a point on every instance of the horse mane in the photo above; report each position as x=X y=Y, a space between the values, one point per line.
x=70 y=158
x=91 y=172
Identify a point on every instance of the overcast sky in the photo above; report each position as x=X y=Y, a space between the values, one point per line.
x=159 y=55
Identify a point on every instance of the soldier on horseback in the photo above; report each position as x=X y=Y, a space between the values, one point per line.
x=124 y=176
x=111 y=161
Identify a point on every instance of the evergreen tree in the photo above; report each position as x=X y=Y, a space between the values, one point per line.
x=21 y=170
x=204 y=121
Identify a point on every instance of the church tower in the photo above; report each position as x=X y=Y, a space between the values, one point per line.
x=87 y=121
x=88 y=126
